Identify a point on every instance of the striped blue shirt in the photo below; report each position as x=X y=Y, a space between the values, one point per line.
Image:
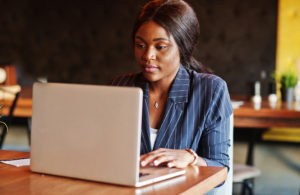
x=197 y=115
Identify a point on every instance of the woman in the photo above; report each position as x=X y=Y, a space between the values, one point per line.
x=185 y=110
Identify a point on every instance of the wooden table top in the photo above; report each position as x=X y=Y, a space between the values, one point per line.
x=282 y=115
x=20 y=180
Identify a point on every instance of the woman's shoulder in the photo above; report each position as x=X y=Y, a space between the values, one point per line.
x=204 y=79
x=124 y=79
x=212 y=91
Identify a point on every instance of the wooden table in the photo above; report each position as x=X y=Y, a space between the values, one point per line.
x=266 y=117
x=20 y=180
x=283 y=115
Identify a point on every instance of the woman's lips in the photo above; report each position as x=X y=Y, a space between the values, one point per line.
x=150 y=68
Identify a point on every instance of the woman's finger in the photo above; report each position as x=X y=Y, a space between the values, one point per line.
x=149 y=158
x=163 y=158
x=170 y=157
x=178 y=164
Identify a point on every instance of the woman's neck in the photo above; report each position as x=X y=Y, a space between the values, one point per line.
x=158 y=95
x=161 y=87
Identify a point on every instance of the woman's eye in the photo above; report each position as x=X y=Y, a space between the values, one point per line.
x=138 y=45
x=159 y=47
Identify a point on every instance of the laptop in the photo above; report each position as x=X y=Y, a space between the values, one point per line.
x=90 y=132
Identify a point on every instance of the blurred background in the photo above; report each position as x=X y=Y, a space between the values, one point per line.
x=90 y=41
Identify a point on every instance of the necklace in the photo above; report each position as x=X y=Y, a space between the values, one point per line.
x=154 y=99
x=156 y=105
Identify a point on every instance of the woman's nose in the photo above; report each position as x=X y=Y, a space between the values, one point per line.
x=149 y=54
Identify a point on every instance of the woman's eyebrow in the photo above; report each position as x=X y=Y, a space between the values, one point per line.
x=155 y=39
x=161 y=39
x=138 y=37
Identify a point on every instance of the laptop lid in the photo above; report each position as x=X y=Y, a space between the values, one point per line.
x=86 y=131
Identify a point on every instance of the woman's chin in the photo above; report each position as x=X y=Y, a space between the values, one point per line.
x=151 y=77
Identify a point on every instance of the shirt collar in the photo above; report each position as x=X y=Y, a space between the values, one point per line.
x=179 y=89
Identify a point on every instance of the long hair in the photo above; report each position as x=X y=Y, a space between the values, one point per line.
x=179 y=19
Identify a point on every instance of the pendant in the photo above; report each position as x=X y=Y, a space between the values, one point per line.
x=156 y=105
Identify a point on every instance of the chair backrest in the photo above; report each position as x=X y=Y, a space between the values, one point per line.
x=8 y=119
x=9 y=90
x=11 y=76
x=226 y=188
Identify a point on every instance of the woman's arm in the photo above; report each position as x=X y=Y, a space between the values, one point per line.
x=215 y=140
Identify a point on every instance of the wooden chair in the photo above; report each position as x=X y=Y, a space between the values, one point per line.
x=10 y=75
x=244 y=174
x=238 y=173
x=9 y=90
x=8 y=119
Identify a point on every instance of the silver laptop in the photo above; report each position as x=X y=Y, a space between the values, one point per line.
x=90 y=132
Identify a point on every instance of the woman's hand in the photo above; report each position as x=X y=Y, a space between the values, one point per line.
x=170 y=157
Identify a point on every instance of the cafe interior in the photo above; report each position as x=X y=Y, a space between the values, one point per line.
x=253 y=45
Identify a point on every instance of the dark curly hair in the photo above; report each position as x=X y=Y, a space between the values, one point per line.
x=180 y=20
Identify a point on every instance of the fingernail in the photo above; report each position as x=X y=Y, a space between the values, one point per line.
x=170 y=164
x=155 y=162
x=143 y=163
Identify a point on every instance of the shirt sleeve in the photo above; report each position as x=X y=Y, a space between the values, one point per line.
x=215 y=140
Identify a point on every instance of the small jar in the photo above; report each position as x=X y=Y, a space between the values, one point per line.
x=272 y=98
x=256 y=99
x=256 y=102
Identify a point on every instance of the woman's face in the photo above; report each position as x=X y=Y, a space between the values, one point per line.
x=156 y=53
